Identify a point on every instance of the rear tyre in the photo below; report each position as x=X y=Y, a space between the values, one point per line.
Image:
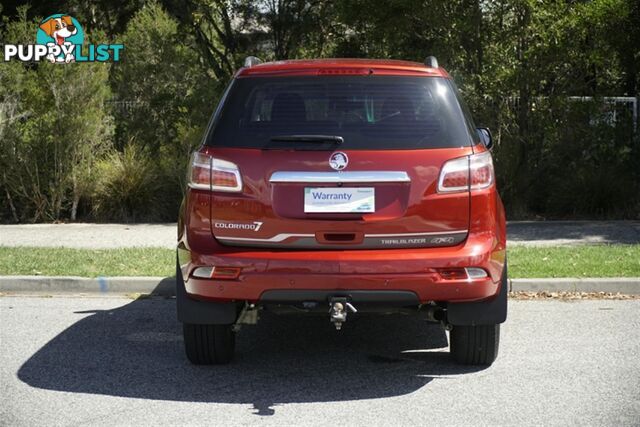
x=209 y=344
x=475 y=345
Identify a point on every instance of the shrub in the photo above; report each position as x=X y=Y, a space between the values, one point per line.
x=129 y=187
x=53 y=127
x=571 y=161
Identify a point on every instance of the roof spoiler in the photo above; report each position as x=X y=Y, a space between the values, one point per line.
x=250 y=61
x=431 y=61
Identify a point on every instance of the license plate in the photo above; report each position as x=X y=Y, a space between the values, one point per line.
x=339 y=200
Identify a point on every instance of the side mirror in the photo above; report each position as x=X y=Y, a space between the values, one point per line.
x=485 y=137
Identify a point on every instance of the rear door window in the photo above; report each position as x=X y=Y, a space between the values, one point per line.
x=368 y=112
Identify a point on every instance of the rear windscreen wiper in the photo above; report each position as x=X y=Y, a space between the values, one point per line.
x=308 y=138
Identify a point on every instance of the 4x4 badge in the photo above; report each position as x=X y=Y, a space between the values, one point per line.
x=338 y=160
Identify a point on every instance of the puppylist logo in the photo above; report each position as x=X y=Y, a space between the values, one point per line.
x=60 y=39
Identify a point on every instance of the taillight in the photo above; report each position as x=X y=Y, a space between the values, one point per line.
x=481 y=170
x=473 y=172
x=454 y=175
x=209 y=173
x=199 y=175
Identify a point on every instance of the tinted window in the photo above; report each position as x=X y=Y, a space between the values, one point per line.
x=368 y=112
x=467 y=114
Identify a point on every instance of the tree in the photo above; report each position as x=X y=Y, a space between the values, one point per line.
x=164 y=97
x=160 y=85
x=216 y=28
x=54 y=126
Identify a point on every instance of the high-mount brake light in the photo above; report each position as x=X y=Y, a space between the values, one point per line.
x=343 y=71
x=209 y=173
x=474 y=172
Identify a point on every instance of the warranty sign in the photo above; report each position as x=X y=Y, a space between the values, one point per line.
x=339 y=200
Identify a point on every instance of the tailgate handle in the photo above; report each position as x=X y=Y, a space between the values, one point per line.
x=340 y=237
x=345 y=237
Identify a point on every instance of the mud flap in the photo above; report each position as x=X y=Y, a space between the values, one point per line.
x=201 y=312
x=489 y=312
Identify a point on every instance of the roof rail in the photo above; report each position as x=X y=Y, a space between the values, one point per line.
x=431 y=61
x=250 y=61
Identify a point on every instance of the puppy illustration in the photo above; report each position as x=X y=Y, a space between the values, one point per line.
x=59 y=29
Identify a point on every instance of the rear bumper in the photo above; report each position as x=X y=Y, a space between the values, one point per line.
x=413 y=272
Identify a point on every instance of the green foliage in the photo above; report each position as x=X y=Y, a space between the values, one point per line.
x=161 y=80
x=517 y=63
x=53 y=126
x=129 y=187
x=164 y=99
x=573 y=162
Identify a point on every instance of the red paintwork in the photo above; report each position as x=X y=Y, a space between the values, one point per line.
x=400 y=208
x=399 y=269
x=347 y=66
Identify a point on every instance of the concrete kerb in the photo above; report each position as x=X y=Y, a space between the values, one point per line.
x=82 y=285
x=165 y=286
x=622 y=285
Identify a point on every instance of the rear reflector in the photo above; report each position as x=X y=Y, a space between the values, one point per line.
x=226 y=273
x=473 y=172
x=468 y=273
x=218 y=273
x=209 y=173
x=453 y=273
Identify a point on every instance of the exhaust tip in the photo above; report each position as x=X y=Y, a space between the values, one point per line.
x=436 y=314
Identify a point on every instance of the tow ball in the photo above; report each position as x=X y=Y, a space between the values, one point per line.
x=338 y=311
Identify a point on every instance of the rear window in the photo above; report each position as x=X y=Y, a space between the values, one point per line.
x=367 y=112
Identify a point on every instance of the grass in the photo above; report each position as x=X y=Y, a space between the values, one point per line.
x=524 y=262
x=576 y=261
x=87 y=262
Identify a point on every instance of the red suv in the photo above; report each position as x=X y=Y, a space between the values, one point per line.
x=342 y=187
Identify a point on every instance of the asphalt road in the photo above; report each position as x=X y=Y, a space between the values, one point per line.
x=107 y=236
x=89 y=236
x=106 y=361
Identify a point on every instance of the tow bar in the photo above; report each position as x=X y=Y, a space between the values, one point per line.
x=338 y=311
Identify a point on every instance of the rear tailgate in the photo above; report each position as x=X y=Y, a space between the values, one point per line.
x=272 y=211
